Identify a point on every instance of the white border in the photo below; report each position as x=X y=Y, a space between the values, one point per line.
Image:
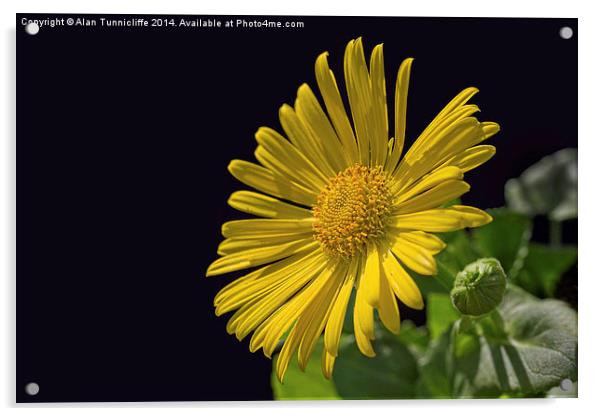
x=590 y=111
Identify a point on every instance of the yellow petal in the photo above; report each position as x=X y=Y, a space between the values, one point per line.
x=270 y=302
x=334 y=326
x=433 y=220
x=257 y=276
x=441 y=219
x=433 y=198
x=234 y=319
x=458 y=101
x=402 y=284
x=357 y=81
x=471 y=158
x=303 y=139
x=258 y=337
x=469 y=133
x=387 y=305
x=490 y=128
x=281 y=321
x=378 y=114
x=327 y=363
x=452 y=113
x=429 y=181
x=290 y=171
x=272 y=328
x=369 y=285
x=265 y=206
x=314 y=306
x=429 y=241
x=428 y=138
x=271 y=183
x=439 y=148
x=251 y=278
x=245 y=289
x=401 y=108
x=452 y=140
x=290 y=346
x=361 y=338
x=261 y=227
x=284 y=151
x=414 y=256
x=237 y=244
x=258 y=256
x=336 y=109
x=309 y=110
x=363 y=312
x=252 y=314
x=471 y=216
x=318 y=314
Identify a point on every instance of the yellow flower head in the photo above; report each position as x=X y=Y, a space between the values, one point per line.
x=341 y=209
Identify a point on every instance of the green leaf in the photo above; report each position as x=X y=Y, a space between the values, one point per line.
x=458 y=253
x=548 y=187
x=440 y=313
x=411 y=335
x=429 y=284
x=415 y=338
x=308 y=385
x=435 y=370
x=505 y=238
x=544 y=267
x=391 y=374
x=528 y=348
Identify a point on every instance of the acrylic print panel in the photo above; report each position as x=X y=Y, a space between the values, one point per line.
x=191 y=188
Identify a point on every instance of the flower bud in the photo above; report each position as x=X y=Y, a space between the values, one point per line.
x=479 y=288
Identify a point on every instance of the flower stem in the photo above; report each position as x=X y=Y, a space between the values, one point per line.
x=555 y=233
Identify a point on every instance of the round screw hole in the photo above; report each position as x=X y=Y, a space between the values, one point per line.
x=566 y=385
x=32 y=28
x=566 y=32
x=32 y=389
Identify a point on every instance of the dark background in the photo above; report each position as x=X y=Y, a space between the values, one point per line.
x=123 y=140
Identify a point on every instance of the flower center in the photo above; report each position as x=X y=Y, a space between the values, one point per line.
x=351 y=210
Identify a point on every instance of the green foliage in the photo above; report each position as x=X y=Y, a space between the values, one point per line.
x=415 y=338
x=457 y=254
x=505 y=238
x=523 y=347
x=535 y=267
x=528 y=347
x=308 y=385
x=548 y=187
x=544 y=267
x=440 y=314
x=430 y=284
x=392 y=374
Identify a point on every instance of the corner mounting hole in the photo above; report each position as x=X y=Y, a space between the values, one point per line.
x=566 y=32
x=32 y=28
x=32 y=389
x=566 y=384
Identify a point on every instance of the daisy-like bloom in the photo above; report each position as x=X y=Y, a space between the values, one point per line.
x=341 y=209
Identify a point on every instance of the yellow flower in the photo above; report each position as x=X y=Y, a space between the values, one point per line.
x=344 y=211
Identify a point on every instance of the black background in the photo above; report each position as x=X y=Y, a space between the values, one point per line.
x=124 y=136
